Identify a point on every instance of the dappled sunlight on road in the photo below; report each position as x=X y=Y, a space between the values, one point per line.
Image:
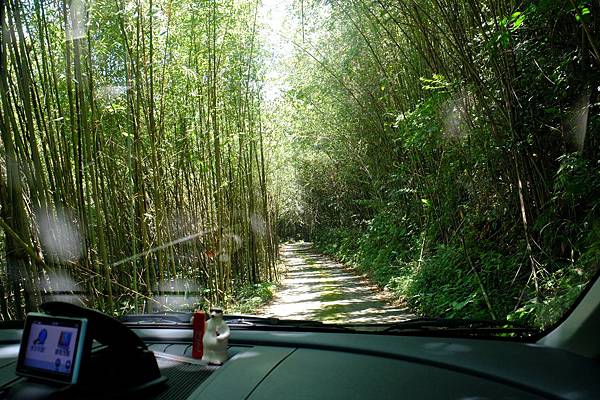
x=317 y=288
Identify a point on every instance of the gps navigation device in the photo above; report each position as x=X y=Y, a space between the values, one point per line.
x=52 y=348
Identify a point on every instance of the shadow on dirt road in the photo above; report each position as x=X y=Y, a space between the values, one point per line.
x=314 y=287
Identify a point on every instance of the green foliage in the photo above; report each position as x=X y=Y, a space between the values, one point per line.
x=442 y=283
x=577 y=181
x=449 y=279
x=457 y=166
x=436 y=83
x=143 y=127
x=250 y=299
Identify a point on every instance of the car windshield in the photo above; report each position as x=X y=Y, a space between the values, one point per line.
x=347 y=162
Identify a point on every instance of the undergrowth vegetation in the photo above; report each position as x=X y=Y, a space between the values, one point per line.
x=467 y=256
x=451 y=151
x=251 y=298
x=132 y=158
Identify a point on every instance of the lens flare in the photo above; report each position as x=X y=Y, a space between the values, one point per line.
x=59 y=235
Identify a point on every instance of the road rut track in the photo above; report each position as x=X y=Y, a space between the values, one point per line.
x=314 y=287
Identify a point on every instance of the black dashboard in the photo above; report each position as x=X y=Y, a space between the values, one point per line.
x=268 y=364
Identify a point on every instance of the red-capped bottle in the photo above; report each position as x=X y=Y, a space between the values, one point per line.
x=198 y=323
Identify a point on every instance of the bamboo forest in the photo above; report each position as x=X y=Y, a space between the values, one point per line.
x=158 y=153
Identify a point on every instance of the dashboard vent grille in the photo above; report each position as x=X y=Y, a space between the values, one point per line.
x=184 y=376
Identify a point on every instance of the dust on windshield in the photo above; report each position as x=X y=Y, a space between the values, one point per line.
x=347 y=162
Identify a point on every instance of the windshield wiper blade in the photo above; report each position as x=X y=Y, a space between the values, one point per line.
x=428 y=326
x=273 y=323
x=270 y=321
x=185 y=318
x=235 y=321
x=168 y=318
x=459 y=326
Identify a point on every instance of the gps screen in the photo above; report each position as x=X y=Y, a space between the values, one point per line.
x=51 y=348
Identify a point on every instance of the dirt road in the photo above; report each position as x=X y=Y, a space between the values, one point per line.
x=315 y=287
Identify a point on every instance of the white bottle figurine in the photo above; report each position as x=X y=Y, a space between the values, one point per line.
x=216 y=338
